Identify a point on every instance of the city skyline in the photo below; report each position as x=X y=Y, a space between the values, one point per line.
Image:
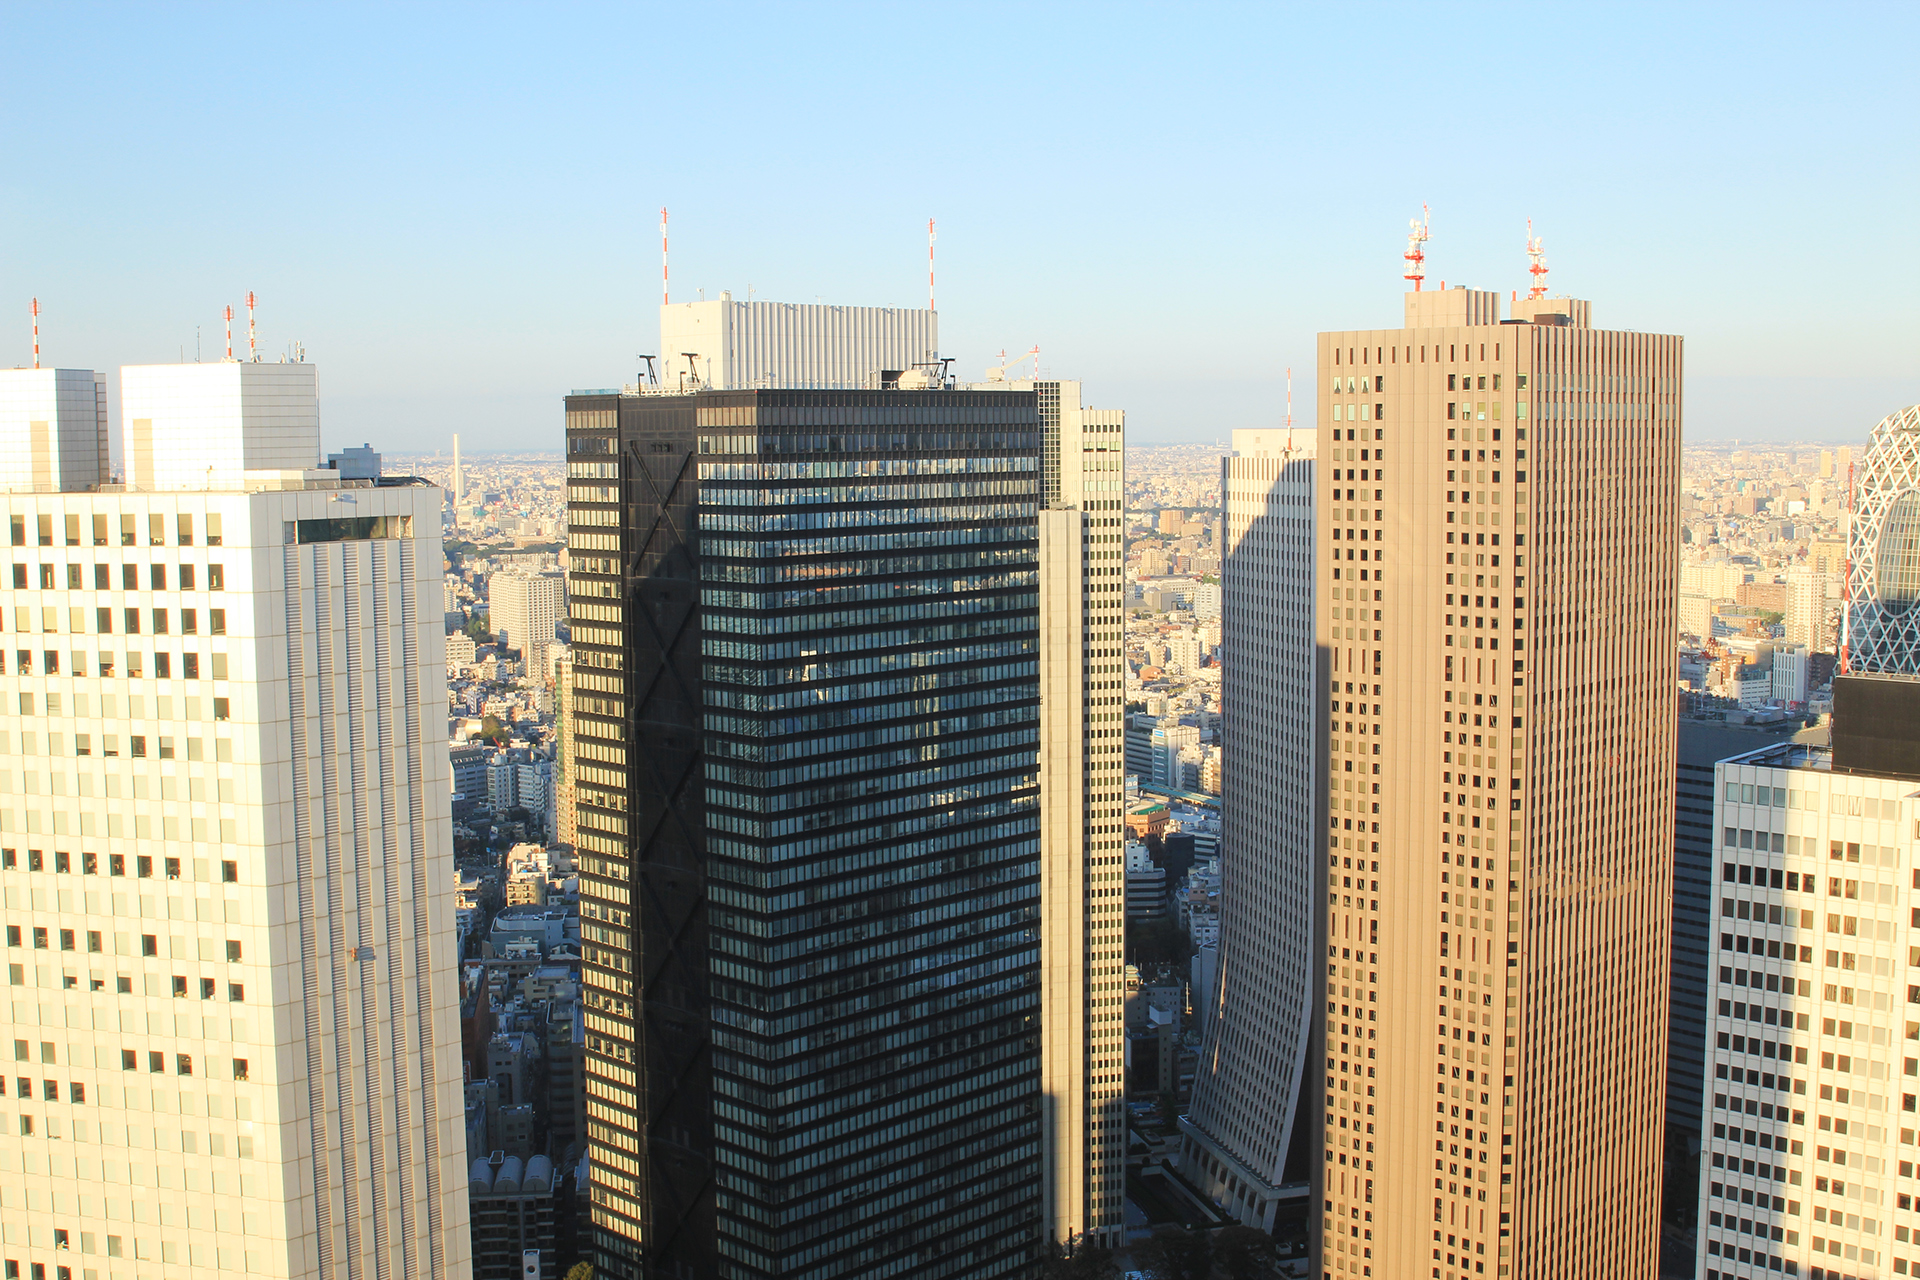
x=1734 y=228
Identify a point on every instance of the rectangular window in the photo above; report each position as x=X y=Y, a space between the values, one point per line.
x=160 y=622
x=133 y=621
x=236 y=992
x=189 y=622
x=230 y=871
x=179 y=987
x=156 y=530
x=83 y=744
x=216 y=578
x=173 y=868
x=103 y=621
x=126 y=531
x=89 y=864
x=186 y=577
x=149 y=943
x=46 y=530
x=62 y=861
x=137 y=748
x=216 y=622
x=156 y=1061
x=40 y=937
x=233 y=951
x=145 y=864
x=189 y=662
x=220 y=709
x=207 y=988
x=163 y=665
x=213 y=528
x=166 y=747
x=93 y=941
x=116 y=864
x=183 y=1064
x=66 y=940
x=239 y=1068
x=186 y=530
x=19 y=530
x=99 y=531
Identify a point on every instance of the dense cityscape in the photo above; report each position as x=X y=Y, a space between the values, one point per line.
x=1102 y=653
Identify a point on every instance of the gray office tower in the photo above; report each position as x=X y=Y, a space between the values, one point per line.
x=805 y=713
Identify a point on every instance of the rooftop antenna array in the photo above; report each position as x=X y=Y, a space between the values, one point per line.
x=663 y=255
x=1289 y=410
x=1536 y=263
x=253 y=349
x=930 y=306
x=35 y=309
x=1416 y=256
x=229 y=333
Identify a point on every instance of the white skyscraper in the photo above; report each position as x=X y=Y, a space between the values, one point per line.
x=225 y=859
x=1260 y=1009
x=726 y=345
x=1813 y=1029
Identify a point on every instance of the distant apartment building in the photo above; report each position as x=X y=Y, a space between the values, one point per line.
x=525 y=609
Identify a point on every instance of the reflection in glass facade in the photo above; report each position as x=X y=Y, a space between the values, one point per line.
x=809 y=856
x=1883 y=552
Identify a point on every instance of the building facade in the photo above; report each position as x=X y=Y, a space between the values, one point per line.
x=726 y=345
x=811 y=903
x=53 y=425
x=525 y=610
x=1259 y=1016
x=227 y=870
x=1499 y=520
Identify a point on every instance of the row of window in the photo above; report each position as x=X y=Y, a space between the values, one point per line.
x=36 y=860
x=69 y=941
x=156 y=533
x=184 y=578
x=130 y=622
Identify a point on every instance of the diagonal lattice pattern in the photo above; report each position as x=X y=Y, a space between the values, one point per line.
x=1883 y=550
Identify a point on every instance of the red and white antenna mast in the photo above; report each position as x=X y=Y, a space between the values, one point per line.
x=1416 y=256
x=36 y=332
x=663 y=255
x=253 y=351
x=1289 y=411
x=1537 y=263
x=229 y=332
x=930 y=264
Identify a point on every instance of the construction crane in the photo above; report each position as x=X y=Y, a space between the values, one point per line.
x=998 y=373
x=1537 y=263
x=1416 y=256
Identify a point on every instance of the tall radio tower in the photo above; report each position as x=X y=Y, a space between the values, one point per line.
x=1416 y=256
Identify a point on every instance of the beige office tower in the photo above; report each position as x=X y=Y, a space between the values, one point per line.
x=1235 y=1137
x=1083 y=790
x=564 y=825
x=1499 y=512
x=226 y=867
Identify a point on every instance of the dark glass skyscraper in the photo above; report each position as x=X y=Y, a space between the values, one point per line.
x=804 y=737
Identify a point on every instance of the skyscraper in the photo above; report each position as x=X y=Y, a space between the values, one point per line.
x=1499 y=520
x=526 y=608
x=53 y=429
x=1883 y=551
x=806 y=713
x=1811 y=1057
x=226 y=858
x=1083 y=792
x=1247 y=1088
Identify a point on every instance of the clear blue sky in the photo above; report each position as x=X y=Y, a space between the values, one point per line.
x=455 y=208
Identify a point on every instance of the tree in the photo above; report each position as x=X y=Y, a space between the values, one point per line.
x=1174 y=1253
x=1079 y=1259
x=477 y=627
x=580 y=1271
x=1245 y=1253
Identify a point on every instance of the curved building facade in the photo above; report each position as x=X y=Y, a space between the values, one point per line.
x=1883 y=551
x=1259 y=1019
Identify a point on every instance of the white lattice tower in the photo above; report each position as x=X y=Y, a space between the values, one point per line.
x=1883 y=636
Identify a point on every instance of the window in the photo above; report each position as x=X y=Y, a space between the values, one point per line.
x=66 y=940
x=217 y=626
x=207 y=987
x=149 y=945
x=236 y=992
x=186 y=529
x=39 y=938
x=46 y=577
x=159 y=629
x=213 y=528
x=73 y=577
x=173 y=868
x=179 y=987
x=50 y=1092
x=34 y=857
x=46 y=530
x=156 y=1061
x=221 y=709
x=102 y=580
x=239 y=1068
x=138 y=748
x=166 y=748
x=99 y=531
x=83 y=744
x=233 y=951
x=189 y=662
x=116 y=864
x=216 y=578
x=19 y=531
x=123 y=984
x=144 y=862
x=132 y=618
x=230 y=872
x=7 y=859
x=62 y=862
x=156 y=530
x=90 y=864
x=157 y=577
x=183 y=1064
x=126 y=531
x=13 y=935
x=93 y=941
x=190 y=625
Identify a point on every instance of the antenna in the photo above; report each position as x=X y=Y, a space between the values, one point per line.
x=1289 y=409
x=253 y=350
x=930 y=264
x=35 y=309
x=663 y=255
x=1416 y=256
x=1537 y=263
x=229 y=332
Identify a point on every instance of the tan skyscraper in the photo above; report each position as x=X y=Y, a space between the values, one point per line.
x=1499 y=512
x=1082 y=842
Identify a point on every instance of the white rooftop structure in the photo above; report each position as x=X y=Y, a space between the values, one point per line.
x=53 y=429
x=725 y=345
x=205 y=426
